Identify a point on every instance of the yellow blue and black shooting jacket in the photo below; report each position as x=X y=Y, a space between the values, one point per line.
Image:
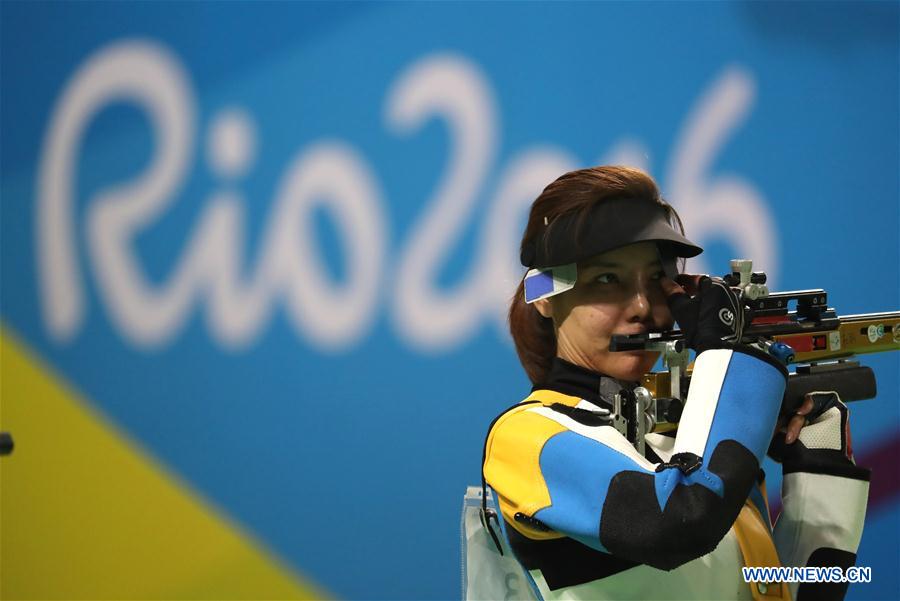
x=590 y=518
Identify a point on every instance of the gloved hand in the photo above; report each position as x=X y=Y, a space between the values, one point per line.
x=823 y=445
x=788 y=429
x=712 y=317
x=824 y=494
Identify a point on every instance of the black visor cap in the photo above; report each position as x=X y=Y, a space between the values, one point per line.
x=609 y=225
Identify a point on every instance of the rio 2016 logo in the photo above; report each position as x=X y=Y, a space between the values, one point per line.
x=333 y=175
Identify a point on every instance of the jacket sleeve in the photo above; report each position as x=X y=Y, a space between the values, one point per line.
x=824 y=496
x=556 y=476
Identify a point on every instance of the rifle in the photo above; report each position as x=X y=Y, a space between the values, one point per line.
x=797 y=327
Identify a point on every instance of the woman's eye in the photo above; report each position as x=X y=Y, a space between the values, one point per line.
x=606 y=278
x=659 y=275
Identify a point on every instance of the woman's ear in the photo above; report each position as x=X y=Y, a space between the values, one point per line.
x=544 y=307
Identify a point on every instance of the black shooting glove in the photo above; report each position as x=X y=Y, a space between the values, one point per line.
x=713 y=318
x=823 y=446
x=824 y=496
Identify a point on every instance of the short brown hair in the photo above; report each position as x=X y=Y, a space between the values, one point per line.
x=574 y=192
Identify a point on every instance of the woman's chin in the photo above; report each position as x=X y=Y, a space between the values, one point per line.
x=631 y=366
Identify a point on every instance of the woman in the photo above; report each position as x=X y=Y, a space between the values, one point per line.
x=583 y=511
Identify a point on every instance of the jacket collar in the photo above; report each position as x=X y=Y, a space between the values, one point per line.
x=584 y=383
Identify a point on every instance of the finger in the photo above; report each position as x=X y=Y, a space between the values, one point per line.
x=690 y=282
x=670 y=287
x=822 y=402
x=793 y=428
x=704 y=283
x=807 y=406
x=680 y=305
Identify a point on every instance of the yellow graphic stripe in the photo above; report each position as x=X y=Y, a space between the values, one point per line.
x=512 y=466
x=86 y=514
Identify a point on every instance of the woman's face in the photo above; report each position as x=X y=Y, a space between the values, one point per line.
x=617 y=292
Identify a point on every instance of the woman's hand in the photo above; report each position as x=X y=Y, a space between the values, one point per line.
x=708 y=312
x=822 y=444
x=787 y=429
x=825 y=413
x=791 y=429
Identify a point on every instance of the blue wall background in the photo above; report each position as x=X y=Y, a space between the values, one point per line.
x=342 y=429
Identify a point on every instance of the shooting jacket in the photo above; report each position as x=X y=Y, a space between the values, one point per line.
x=590 y=518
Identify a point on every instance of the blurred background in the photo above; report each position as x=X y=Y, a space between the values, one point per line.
x=256 y=260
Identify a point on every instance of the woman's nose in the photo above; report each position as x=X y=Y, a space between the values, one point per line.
x=639 y=305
